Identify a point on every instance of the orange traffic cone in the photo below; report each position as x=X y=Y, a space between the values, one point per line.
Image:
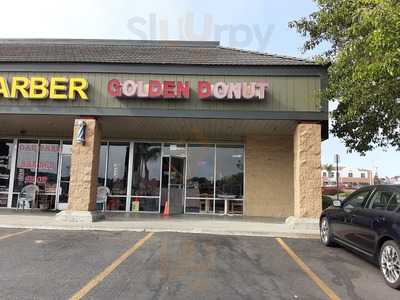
x=166 y=209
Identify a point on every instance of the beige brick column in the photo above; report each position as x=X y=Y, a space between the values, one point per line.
x=269 y=176
x=84 y=171
x=307 y=170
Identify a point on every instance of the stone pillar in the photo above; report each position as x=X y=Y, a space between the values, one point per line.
x=307 y=170
x=84 y=172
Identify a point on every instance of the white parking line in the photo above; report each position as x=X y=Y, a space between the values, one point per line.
x=14 y=234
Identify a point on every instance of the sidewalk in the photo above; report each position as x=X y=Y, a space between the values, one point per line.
x=221 y=225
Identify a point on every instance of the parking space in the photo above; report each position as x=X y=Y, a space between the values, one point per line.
x=188 y=266
x=43 y=264
x=51 y=264
x=348 y=275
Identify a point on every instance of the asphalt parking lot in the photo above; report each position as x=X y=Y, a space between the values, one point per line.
x=50 y=264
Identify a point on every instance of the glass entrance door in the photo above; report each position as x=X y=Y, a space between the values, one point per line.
x=64 y=177
x=176 y=185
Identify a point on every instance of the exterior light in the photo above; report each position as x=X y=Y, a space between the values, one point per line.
x=81 y=137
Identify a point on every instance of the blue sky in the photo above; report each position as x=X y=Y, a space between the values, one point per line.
x=253 y=24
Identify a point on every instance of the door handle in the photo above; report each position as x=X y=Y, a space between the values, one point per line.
x=380 y=220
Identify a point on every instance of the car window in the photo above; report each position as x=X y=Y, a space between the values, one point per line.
x=394 y=202
x=380 y=200
x=356 y=200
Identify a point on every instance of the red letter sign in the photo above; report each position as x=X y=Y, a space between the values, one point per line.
x=204 y=89
x=154 y=89
x=183 y=90
x=114 y=88
x=169 y=89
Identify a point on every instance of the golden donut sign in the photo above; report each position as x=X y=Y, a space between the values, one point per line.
x=169 y=89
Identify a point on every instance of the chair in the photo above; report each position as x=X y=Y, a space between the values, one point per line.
x=102 y=195
x=27 y=196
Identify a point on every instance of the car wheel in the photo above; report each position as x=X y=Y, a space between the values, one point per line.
x=389 y=262
x=325 y=232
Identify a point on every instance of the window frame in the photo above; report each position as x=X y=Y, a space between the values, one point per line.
x=355 y=194
x=371 y=198
x=397 y=209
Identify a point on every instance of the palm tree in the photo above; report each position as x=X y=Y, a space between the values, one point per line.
x=148 y=153
x=328 y=167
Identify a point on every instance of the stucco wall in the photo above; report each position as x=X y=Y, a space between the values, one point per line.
x=269 y=176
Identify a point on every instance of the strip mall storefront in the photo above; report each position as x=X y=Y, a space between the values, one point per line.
x=234 y=132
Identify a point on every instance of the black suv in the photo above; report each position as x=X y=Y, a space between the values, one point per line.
x=368 y=221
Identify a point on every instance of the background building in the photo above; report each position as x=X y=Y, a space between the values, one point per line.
x=348 y=177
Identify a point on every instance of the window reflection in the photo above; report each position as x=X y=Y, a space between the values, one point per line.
x=65 y=172
x=116 y=203
x=145 y=204
x=117 y=171
x=43 y=173
x=194 y=205
x=146 y=169
x=200 y=172
x=174 y=150
x=229 y=172
x=5 y=170
x=102 y=164
x=26 y=164
x=46 y=178
x=222 y=165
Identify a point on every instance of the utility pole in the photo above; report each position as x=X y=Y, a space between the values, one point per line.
x=337 y=159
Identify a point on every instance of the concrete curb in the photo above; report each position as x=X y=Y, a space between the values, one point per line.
x=284 y=234
x=303 y=223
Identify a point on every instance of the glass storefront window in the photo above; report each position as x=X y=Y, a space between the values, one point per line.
x=3 y=199
x=219 y=206
x=200 y=171
x=65 y=173
x=194 y=205
x=26 y=164
x=139 y=204
x=42 y=173
x=47 y=172
x=46 y=178
x=174 y=150
x=117 y=170
x=102 y=165
x=229 y=172
x=146 y=169
x=208 y=167
x=116 y=203
x=6 y=147
x=235 y=207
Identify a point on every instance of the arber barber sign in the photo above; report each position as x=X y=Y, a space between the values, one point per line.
x=170 y=89
x=40 y=88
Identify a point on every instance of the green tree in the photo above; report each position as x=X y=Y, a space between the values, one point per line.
x=328 y=167
x=364 y=68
